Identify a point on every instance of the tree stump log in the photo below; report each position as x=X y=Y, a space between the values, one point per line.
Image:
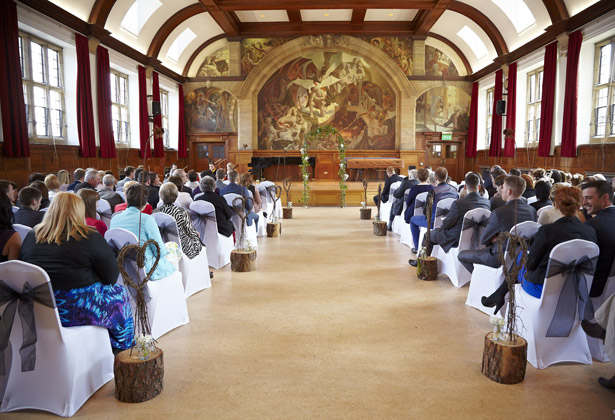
x=429 y=268
x=138 y=380
x=366 y=214
x=503 y=361
x=380 y=228
x=287 y=213
x=243 y=261
x=274 y=230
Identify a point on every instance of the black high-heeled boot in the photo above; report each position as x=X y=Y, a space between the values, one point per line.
x=497 y=298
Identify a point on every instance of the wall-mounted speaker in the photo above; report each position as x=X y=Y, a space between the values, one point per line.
x=155 y=108
x=500 y=107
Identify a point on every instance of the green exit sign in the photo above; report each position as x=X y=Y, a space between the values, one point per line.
x=447 y=136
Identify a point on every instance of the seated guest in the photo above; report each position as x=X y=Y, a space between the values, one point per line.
x=10 y=190
x=495 y=172
x=184 y=178
x=40 y=185
x=107 y=192
x=220 y=175
x=90 y=180
x=516 y=172
x=407 y=183
x=223 y=210
x=129 y=175
x=10 y=241
x=529 y=189
x=197 y=189
x=542 y=189
x=144 y=227
x=246 y=180
x=447 y=236
x=392 y=177
x=604 y=329
x=183 y=198
x=577 y=180
x=64 y=179
x=82 y=269
x=122 y=206
x=78 y=176
x=36 y=176
x=29 y=203
x=597 y=202
x=555 y=175
x=552 y=214
x=234 y=188
x=496 y=200
x=532 y=276
x=193 y=180
x=152 y=191
x=539 y=174
x=440 y=192
x=421 y=187
x=90 y=198
x=191 y=244
x=53 y=185
x=501 y=220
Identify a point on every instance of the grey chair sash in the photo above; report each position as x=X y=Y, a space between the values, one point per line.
x=24 y=303
x=478 y=226
x=574 y=294
x=442 y=212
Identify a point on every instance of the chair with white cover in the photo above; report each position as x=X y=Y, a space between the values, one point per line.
x=121 y=194
x=395 y=225
x=23 y=230
x=596 y=346
x=385 y=208
x=540 y=210
x=485 y=280
x=71 y=363
x=166 y=308
x=217 y=246
x=278 y=203
x=15 y=209
x=250 y=234
x=195 y=272
x=197 y=196
x=103 y=209
x=442 y=209
x=405 y=235
x=555 y=336
x=473 y=225
x=532 y=200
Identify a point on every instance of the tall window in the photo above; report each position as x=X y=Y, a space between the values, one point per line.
x=603 y=121
x=532 y=112
x=43 y=87
x=164 y=113
x=119 y=107
x=489 y=115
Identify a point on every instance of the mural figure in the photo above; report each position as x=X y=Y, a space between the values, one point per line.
x=215 y=65
x=210 y=110
x=443 y=108
x=253 y=50
x=438 y=64
x=398 y=48
x=326 y=88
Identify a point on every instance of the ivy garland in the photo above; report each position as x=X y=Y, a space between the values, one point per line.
x=320 y=132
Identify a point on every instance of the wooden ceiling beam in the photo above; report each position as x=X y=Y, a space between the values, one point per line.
x=294 y=16
x=232 y=5
x=484 y=22
x=557 y=10
x=358 y=16
x=426 y=19
x=100 y=12
x=253 y=29
x=170 y=25
x=226 y=19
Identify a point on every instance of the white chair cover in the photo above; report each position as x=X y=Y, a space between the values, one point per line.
x=395 y=225
x=596 y=346
x=195 y=272
x=485 y=280
x=71 y=363
x=448 y=263
x=23 y=230
x=540 y=210
x=532 y=200
x=120 y=192
x=197 y=196
x=385 y=208
x=535 y=315
x=442 y=209
x=250 y=234
x=15 y=209
x=167 y=305
x=419 y=203
x=103 y=209
x=263 y=190
x=218 y=247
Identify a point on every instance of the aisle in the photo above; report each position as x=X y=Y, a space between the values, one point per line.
x=335 y=325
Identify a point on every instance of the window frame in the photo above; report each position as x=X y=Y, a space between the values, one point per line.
x=118 y=77
x=597 y=88
x=489 y=116
x=533 y=104
x=164 y=116
x=29 y=85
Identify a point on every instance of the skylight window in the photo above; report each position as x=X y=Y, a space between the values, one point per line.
x=179 y=45
x=138 y=14
x=517 y=12
x=474 y=42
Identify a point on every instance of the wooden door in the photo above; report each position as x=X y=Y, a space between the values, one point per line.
x=206 y=152
x=446 y=154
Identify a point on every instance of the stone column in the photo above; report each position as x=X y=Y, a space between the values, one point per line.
x=234 y=55
x=245 y=130
x=407 y=113
x=418 y=57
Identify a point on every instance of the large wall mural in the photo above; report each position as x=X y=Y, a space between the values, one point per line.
x=210 y=110
x=398 y=48
x=215 y=64
x=443 y=108
x=253 y=50
x=438 y=64
x=321 y=88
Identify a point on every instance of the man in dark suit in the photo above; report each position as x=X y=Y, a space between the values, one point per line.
x=91 y=181
x=234 y=188
x=597 y=199
x=223 y=210
x=407 y=183
x=501 y=220
x=78 y=178
x=144 y=178
x=29 y=200
x=447 y=236
x=391 y=178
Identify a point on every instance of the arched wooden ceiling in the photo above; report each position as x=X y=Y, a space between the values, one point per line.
x=429 y=19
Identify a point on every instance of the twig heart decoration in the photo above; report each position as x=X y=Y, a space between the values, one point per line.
x=287 y=183
x=274 y=192
x=365 y=190
x=378 y=201
x=136 y=253
x=239 y=208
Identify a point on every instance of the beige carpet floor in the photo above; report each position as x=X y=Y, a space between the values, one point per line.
x=334 y=324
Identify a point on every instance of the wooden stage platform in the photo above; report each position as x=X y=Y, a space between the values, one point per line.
x=327 y=193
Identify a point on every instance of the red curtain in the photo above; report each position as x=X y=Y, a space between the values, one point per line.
x=14 y=124
x=181 y=144
x=511 y=110
x=495 y=149
x=105 y=128
x=569 y=128
x=158 y=143
x=143 y=115
x=472 y=127
x=85 y=115
x=547 y=100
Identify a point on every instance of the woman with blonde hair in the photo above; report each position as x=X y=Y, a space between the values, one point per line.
x=90 y=197
x=64 y=179
x=82 y=269
x=53 y=185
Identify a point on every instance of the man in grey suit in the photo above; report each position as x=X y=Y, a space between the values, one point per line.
x=502 y=219
x=235 y=188
x=107 y=192
x=220 y=175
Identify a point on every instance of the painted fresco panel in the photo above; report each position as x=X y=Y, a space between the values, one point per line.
x=210 y=110
x=253 y=50
x=438 y=64
x=444 y=108
x=399 y=48
x=216 y=64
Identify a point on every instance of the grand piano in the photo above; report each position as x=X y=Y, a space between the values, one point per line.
x=259 y=164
